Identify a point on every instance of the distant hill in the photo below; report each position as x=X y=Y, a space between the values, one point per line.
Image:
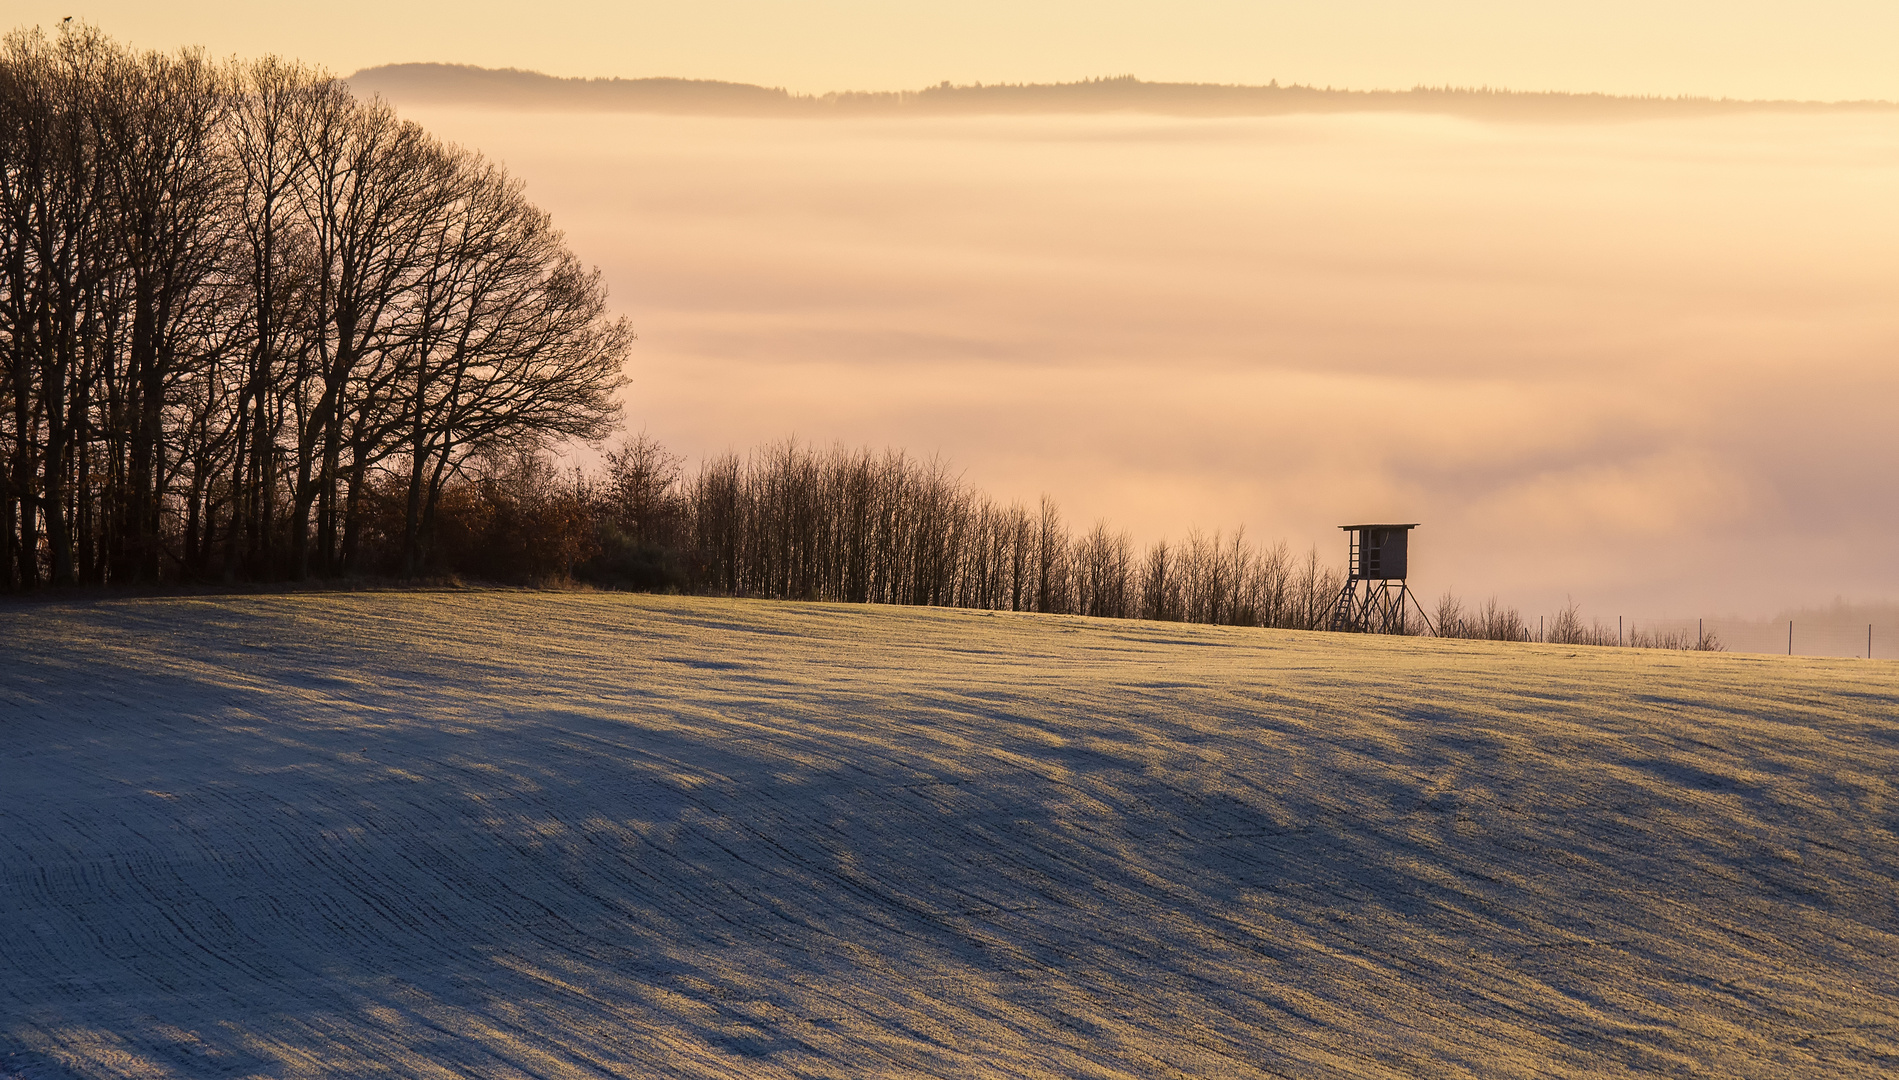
x=515 y=89
x=511 y=88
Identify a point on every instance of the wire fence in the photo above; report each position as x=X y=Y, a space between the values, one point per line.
x=1843 y=636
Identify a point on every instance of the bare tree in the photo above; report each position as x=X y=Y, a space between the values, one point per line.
x=229 y=295
x=159 y=120
x=60 y=257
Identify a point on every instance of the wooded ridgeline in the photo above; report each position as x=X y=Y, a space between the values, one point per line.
x=240 y=309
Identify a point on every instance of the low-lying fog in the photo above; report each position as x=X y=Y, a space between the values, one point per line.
x=1648 y=365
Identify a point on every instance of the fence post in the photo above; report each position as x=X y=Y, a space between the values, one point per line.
x=1789 y=637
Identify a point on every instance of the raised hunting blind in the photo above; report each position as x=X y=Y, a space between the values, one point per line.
x=1375 y=598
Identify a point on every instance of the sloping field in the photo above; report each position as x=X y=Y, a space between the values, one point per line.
x=531 y=835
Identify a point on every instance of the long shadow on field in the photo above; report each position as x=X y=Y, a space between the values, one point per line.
x=274 y=854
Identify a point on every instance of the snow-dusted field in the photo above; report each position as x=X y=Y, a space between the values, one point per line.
x=550 y=835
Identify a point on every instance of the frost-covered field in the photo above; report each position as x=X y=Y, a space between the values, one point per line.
x=552 y=835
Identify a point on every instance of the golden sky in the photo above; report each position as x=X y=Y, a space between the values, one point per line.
x=1817 y=49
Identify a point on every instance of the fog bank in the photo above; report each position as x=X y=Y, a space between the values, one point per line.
x=1649 y=366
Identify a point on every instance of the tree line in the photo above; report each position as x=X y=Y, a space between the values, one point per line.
x=793 y=521
x=244 y=316
x=1492 y=621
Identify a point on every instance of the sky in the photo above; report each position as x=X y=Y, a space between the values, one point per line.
x=1817 y=49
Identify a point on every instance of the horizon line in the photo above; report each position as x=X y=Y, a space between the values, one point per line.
x=1125 y=92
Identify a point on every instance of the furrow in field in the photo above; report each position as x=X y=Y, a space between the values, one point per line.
x=515 y=834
